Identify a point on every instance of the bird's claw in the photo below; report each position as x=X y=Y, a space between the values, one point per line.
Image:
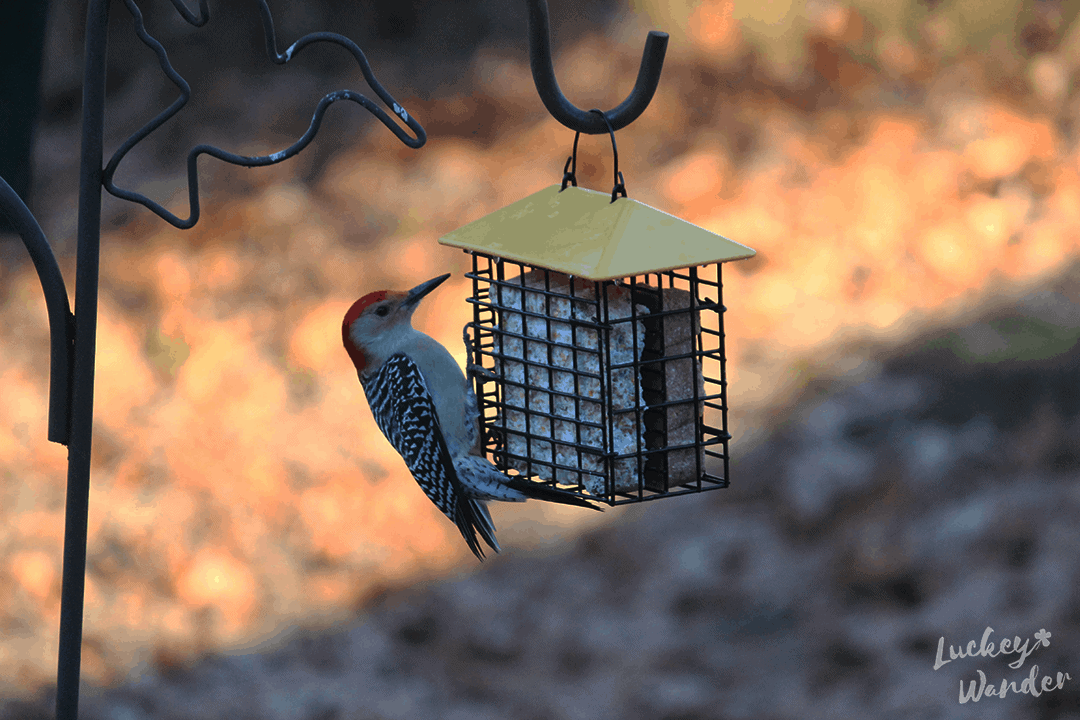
x=471 y=368
x=475 y=370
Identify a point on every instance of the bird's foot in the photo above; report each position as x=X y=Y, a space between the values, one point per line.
x=474 y=370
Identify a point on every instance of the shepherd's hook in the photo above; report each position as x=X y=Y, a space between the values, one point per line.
x=543 y=72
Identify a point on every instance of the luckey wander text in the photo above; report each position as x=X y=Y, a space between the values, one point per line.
x=1032 y=685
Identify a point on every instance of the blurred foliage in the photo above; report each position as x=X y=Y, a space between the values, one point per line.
x=1020 y=339
x=778 y=29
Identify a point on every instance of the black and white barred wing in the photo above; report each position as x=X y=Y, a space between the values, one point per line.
x=405 y=412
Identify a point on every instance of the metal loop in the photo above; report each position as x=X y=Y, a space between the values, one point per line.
x=543 y=72
x=204 y=12
x=570 y=169
x=244 y=160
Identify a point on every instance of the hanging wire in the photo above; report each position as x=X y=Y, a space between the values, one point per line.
x=570 y=169
x=246 y=160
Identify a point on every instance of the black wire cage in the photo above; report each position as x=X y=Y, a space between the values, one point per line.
x=611 y=389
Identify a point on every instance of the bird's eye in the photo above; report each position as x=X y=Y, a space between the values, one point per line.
x=382 y=311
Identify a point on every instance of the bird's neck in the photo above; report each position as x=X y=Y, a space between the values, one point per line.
x=359 y=357
x=368 y=359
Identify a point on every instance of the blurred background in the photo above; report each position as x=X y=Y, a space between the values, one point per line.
x=899 y=354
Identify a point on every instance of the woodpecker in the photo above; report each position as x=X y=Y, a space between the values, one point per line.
x=426 y=408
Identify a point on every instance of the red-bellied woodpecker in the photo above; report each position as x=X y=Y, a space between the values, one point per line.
x=426 y=408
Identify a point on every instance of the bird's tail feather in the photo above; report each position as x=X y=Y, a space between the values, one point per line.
x=471 y=516
x=538 y=491
x=486 y=526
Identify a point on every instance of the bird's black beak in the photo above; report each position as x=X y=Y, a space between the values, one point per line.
x=417 y=293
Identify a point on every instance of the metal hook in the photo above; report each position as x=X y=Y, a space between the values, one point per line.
x=543 y=72
x=61 y=321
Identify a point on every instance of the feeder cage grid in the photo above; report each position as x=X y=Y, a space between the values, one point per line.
x=611 y=389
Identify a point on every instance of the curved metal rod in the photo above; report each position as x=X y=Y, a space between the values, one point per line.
x=204 y=12
x=246 y=160
x=543 y=72
x=61 y=321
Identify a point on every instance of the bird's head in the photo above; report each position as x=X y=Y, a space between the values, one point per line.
x=378 y=322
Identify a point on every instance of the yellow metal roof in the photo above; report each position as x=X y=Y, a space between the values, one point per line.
x=582 y=233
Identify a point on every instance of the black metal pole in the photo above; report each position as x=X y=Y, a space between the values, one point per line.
x=61 y=321
x=573 y=117
x=82 y=411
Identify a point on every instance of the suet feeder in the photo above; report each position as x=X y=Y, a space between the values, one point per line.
x=597 y=344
